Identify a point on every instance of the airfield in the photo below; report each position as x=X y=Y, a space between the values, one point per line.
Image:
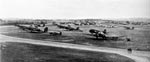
x=139 y=42
x=139 y=36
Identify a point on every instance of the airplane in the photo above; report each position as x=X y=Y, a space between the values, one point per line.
x=104 y=34
x=94 y=31
x=129 y=28
x=55 y=33
x=69 y=28
x=73 y=29
x=62 y=26
x=33 y=29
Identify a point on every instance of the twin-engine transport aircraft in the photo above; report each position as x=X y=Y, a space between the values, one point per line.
x=104 y=34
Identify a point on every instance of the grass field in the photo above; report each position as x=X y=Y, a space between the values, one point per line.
x=140 y=36
x=21 y=52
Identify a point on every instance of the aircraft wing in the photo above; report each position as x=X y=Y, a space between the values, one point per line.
x=113 y=35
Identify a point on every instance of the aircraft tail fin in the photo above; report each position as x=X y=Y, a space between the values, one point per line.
x=77 y=28
x=46 y=29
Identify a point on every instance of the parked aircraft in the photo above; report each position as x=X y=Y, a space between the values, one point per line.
x=69 y=28
x=62 y=26
x=94 y=31
x=104 y=34
x=34 y=29
x=73 y=29
x=129 y=28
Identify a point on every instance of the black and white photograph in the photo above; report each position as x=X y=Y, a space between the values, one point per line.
x=74 y=30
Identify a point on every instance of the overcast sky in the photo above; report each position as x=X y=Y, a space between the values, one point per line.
x=60 y=9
